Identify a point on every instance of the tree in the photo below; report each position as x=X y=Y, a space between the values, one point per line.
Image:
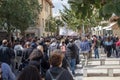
x=109 y=7
x=19 y=14
x=84 y=7
x=90 y=13
x=53 y=24
x=58 y=23
x=75 y=20
x=70 y=18
x=105 y=8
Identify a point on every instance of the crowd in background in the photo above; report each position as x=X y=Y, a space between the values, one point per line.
x=52 y=57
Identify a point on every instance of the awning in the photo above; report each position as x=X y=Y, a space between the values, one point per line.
x=110 y=26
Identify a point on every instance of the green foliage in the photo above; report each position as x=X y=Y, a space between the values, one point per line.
x=53 y=24
x=110 y=7
x=50 y=25
x=80 y=14
x=70 y=18
x=84 y=7
x=20 y=14
x=89 y=12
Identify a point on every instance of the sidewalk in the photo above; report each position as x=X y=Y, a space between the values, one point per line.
x=79 y=69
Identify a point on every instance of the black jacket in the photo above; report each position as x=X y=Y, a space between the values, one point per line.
x=65 y=63
x=55 y=71
x=72 y=50
x=36 y=59
x=27 y=52
x=5 y=55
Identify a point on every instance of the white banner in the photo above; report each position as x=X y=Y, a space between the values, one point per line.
x=67 y=32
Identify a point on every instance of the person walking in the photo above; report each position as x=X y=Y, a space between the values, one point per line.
x=18 y=49
x=108 y=43
x=12 y=53
x=5 y=55
x=6 y=72
x=95 y=46
x=36 y=56
x=71 y=54
x=56 y=72
x=85 y=48
x=118 y=48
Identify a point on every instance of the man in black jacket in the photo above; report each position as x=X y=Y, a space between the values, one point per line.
x=5 y=55
x=71 y=55
x=27 y=50
x=26 y=53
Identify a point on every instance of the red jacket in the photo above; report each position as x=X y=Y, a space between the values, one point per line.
x=118 y=43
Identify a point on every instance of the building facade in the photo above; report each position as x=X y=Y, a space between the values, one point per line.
x=45 y=13
x=116 y=29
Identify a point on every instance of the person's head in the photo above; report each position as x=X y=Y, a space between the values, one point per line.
x=29 y=73
x=94 y=36
x=9 y=45
x=41 y=39
x=27 y=44
x=17 y=43
x=58 y=51
x=4 y=42
x=56 y=59
x=34 y=40
x=36 y=54
x=83 y=38
x=109 y=39
x=40 y=48
x=63 y=42
x=115 y=35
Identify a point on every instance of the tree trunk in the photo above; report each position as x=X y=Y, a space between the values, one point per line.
x=23 y=33
x=9 y=31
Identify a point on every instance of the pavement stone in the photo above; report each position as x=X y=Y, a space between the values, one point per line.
x=79 y=69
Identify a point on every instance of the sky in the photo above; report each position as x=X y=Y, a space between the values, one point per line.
x=58 y=6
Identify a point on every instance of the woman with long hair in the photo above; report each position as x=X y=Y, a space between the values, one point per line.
x=36 y=56
x=29 y=73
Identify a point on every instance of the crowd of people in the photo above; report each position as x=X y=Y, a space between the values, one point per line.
x=51 y=58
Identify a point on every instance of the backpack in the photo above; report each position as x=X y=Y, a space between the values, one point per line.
x=18 y=50
x=72 y=48
x=19 y=53
x=0 y=71
x=97 y=44
x=57 y=77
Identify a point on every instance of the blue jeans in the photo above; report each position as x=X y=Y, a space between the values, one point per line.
x=72 y=64
x=96 y=53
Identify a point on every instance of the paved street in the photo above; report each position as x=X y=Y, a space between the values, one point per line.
x=79 y=72
x=79 y=69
